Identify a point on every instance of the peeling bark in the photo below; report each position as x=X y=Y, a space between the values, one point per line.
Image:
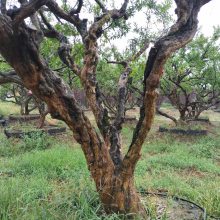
x=116 y=127
x=50 y=88
x=115 y=134
x=179 y=35
x=20 y=48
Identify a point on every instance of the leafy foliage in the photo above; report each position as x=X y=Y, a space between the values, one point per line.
x=192 y=76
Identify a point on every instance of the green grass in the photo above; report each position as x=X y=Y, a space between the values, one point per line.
x=187 y=169
x=9 y=108
x=35 y=141
x=42 y=178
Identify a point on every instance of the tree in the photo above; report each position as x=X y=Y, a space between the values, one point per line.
x=112 y=85
x=12 y=90
x=191 y=82
x=19 y=45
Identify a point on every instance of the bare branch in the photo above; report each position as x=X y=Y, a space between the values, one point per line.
x=166 y=115
x=124 y=7
x=3 y=6
x=203 y=2
x=115 y=130
x=101 y=6
x=178 y=85
x=64 y=51
x=27 y=10
x=140 y=52
x=10 y=77
x=135 y=89
x=123 y=63
x=81 y=25
x=78 y=9
x=115 y=149
x=134 y=57
x=88 y=73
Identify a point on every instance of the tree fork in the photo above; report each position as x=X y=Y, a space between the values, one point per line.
x=22 y=54
x=18 y=46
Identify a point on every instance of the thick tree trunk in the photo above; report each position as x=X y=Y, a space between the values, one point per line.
x=120 y=196
x=117 y=194
x=19 y=46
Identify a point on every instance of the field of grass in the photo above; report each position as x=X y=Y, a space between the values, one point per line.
x=45 y=178
x=8 y=108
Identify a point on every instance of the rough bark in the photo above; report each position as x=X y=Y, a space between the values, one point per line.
x=116 y=127
x=179 y=35
x=10 y=77
x=27 y=9
x=115 y=139
x=19 y=46
x=62 y=105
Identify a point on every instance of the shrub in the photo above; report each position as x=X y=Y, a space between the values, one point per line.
x=37 y=141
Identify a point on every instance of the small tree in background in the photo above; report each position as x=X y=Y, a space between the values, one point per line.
x=192 y=78
x=121 y=77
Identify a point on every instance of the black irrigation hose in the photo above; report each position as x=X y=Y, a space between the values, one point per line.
x=205 y=215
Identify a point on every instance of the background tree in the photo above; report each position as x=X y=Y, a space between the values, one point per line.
x=192 y=79
x=112 y=172
x=12 y=90
x=112 y=85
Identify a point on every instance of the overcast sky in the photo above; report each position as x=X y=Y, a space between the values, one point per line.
x=209 y=16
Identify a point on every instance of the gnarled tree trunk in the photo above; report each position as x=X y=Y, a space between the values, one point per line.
x=114 y=179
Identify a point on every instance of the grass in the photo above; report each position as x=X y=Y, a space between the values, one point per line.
x=49 y=184
x=55 y=183
x=45 y=178
x=9 y=108
x=12 y=147
x=187 y=168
